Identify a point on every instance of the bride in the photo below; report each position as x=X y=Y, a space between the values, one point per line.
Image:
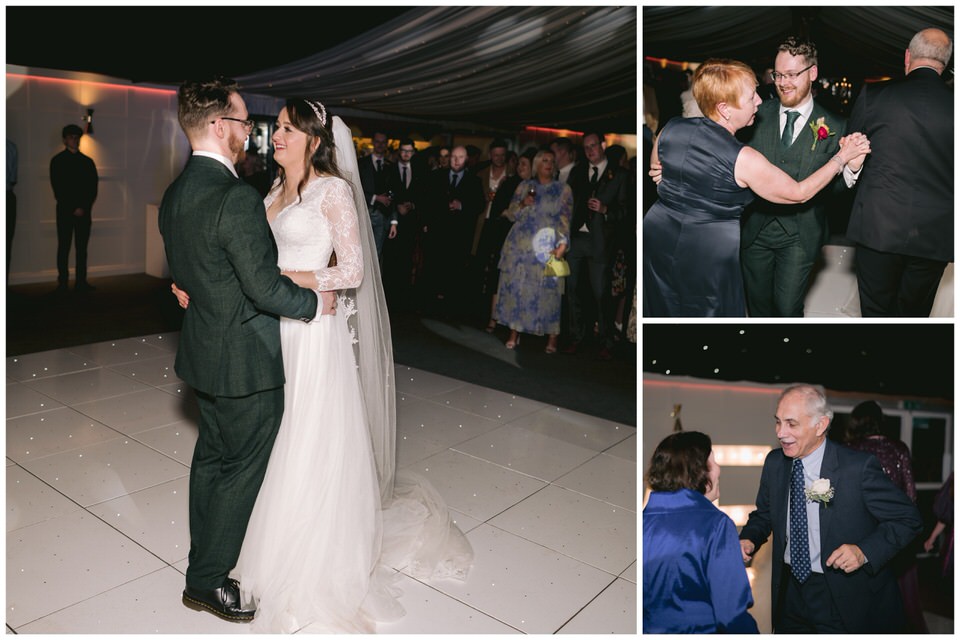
x=334 y=518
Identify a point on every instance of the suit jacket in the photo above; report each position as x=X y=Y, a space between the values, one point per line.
x=220 y=250
x=867 y=510
x=809 y=219
x=375 y=184
x=612 y=189
x=74 y=179
x=452 y=228
x=904 y=200
x=413 y=192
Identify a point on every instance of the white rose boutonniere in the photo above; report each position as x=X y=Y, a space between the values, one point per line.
x=820 y=491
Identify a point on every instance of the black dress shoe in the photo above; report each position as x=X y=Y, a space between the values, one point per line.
x=223 y=602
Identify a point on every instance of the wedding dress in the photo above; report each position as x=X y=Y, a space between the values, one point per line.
x=332 y=521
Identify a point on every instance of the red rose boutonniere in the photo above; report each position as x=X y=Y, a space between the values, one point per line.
x=820 y=132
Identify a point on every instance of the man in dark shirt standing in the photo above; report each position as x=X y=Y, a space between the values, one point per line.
x=74 y=180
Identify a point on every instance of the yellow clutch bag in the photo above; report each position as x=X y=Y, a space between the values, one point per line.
x=556 y=267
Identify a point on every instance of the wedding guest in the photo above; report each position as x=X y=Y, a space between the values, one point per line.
x=863 y=434
x=527 y=300
x=601 y=196
x=693 y=578
x=74 y=179
x=779 y=243
x=837 y=522
x=566 y=156
x=405 y=180
x=691 y=235
x=495 y=231
x=902 y=218
x=374 y=168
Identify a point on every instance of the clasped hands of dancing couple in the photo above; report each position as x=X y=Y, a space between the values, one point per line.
x=299 y=518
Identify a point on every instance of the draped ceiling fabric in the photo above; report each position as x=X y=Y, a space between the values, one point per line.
x=858 y=42
x=506 y=67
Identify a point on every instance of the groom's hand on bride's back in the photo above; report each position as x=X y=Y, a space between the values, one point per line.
x=746 y=549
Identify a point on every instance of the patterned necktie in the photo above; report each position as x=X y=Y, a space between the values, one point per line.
x=787 y=138
x=799 y=542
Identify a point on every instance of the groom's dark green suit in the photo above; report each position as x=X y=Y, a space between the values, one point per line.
x=780 y=243
x=220 y=250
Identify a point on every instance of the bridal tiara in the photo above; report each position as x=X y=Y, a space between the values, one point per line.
x=319 y=110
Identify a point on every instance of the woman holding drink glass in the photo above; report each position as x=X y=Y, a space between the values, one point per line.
x=527 y=300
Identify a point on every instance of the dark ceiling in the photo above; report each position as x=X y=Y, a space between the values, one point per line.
x=167 y=45
x=547 y=81
x=908 y=360
x=857 y=42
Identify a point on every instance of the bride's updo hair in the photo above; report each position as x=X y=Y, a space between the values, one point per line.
x=311 y=117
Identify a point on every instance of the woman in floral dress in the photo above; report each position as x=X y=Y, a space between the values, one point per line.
x=527 y=300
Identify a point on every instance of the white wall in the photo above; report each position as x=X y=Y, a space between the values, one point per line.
x=138 y=148
x=741 y=413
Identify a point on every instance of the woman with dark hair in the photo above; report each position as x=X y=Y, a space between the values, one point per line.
x=334 y=517
x=693 y=575
x=863 y=434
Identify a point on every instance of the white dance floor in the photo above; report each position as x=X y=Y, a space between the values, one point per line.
x=99 y=441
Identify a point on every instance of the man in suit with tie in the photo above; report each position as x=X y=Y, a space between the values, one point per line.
x=566 y=155
x=902 y=218
x=374 y=169
x=837 y=521
x=454 y=199
x=601 y=196
x=780 y=243
x=220 y=251
x=405 y=180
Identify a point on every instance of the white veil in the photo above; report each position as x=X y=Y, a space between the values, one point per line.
x=418 y=532
x=373 y=345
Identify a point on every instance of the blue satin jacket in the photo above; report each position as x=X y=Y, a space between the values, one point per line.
x=694 y=580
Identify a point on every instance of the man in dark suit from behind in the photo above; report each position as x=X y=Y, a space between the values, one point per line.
x=902 y=218
x=221 y=252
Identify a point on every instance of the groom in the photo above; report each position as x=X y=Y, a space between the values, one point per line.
x=833 y=539
x=220 y=250
x=780 y=243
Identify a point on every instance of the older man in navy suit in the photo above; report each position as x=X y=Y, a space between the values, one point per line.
x=837 y=521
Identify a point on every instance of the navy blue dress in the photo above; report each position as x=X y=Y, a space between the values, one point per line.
x=691 y=234
x=693 y=575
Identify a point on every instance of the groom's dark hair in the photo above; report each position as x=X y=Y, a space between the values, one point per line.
x=797 y=47
x=680 y=462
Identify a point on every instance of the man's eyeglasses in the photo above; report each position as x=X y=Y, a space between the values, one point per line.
x=247 y=124
x=790 y=75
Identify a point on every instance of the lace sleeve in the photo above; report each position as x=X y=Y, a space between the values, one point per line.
x=337 y=206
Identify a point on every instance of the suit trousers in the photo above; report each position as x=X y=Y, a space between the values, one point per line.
x=896 y=285
x=776 y=268
x=69 y=227
x=808 y=607
x=229 y=462
x=587 y=262
x=379 y=223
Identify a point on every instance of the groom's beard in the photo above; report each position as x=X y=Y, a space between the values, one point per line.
x=236 y=147
x=795 y=95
